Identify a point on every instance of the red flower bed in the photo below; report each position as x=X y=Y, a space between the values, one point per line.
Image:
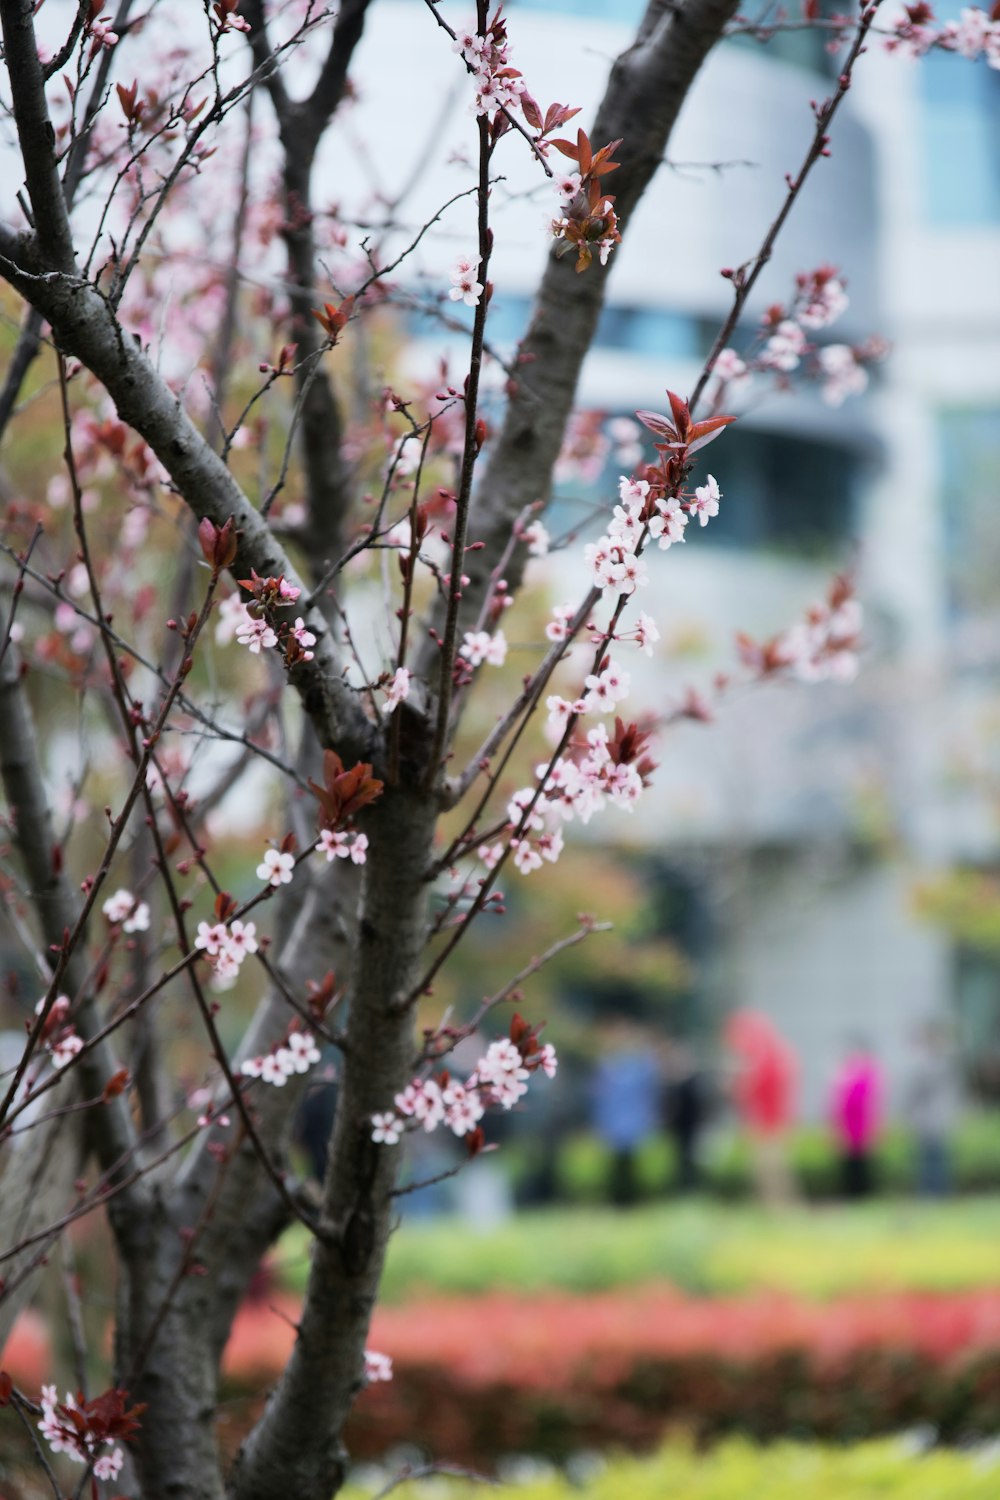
x=478 y=1377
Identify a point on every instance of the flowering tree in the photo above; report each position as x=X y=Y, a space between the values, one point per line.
x=243 y=575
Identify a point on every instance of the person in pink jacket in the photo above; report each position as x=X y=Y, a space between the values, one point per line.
x=856 y=1115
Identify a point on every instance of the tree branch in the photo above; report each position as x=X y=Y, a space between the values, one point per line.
x=647 y=87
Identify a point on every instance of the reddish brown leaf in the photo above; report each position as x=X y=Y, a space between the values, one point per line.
x=116 y=1084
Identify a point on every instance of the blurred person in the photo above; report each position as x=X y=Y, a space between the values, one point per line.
x=931 y=1103
x=856 y=1116
x=685 y=1111
x=626 y=1090
x=763 y=1089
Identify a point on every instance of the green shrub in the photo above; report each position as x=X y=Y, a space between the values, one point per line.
x=740 y=1470
x=977 y=1152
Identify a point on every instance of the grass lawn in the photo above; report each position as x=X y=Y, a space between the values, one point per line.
x=701 y=1246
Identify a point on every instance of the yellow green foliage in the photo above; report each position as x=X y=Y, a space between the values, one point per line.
x=700 y=1247
x=738 y=1470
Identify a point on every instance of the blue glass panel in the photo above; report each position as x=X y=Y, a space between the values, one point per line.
x=961 y=140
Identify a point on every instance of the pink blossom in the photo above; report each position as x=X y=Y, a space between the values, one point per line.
x=276 y=867
x=547 y=1060
x=844 y=376
x=273 y=1069
x=646 y=633
x=560 y=712
x=304 y=637
x=256 y=634
x=210 y=939
x=108 y=1466
x=398 y=689
x=464 y=286
x=518 y=806
x=824 y=299
x=66 y=1048
x=122 y=907
x=558 y=627
x=479 y=646
x=462 y=1108
x=630 y=573
x=231 y=614
x=537 y=538
x=600 y=557
x=427 y=1103
x=490 y=854
x=303 y=1051
x=785 y=347
x=606 y=688
x=241 y=939
x=706 y=500
x=550 y=845
x=342 y=845
x=470 y=45
x=667 y=526
x=377 y=1366
x=526 y=857
x=102 y=34
x=729 y=366
x=567 y=184
x=625 y=527
x=386 y=1129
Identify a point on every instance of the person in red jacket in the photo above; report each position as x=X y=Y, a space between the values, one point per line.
x=763 y=1090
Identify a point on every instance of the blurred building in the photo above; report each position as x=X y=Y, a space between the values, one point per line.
x=798 y=825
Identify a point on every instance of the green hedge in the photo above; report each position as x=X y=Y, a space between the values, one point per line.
x=699 y=1245
x=583 y=1163
x=738 y=1470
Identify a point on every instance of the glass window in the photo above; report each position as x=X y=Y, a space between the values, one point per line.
x=961 y=129
x=652 y=331
x=622 y=12
x=780 y=492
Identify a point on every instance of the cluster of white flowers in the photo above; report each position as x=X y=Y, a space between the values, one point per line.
x=464 y=286
x=822 y=298
x=824 y=647
x=785 y=348
x=226 y=946
x=500 y=1077
x=844 y=375
x=537 y=539
x=974 y=35
x=497 y=84
x=62 y=1042
x=234 y=621
x=614 y=561
x=600 y=771
x=123 y=909
x=297 y=1054
x=81 y=1446
x=343 y=845
x=255 y=634
x=479 y=646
